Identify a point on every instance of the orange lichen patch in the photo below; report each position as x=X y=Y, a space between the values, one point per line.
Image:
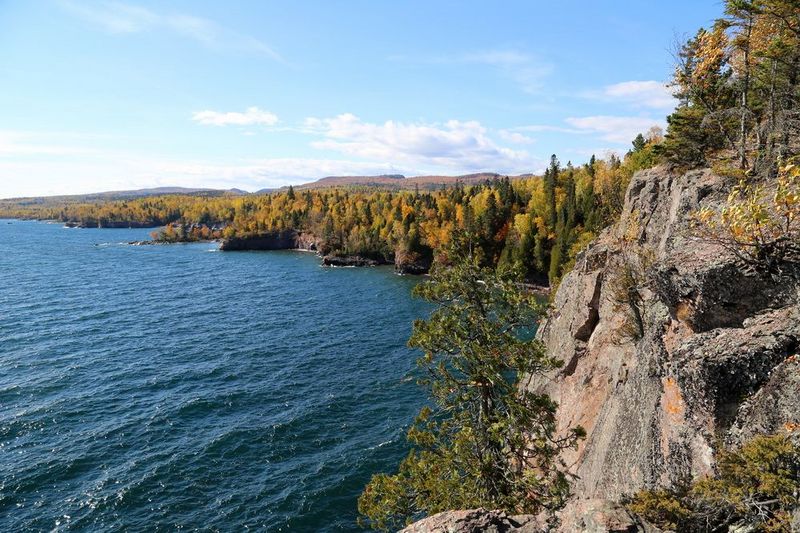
x=672 y=400
x=791 y=427
x=793 y=359
x=683 y=311
x=673 y=409
x=675 y=333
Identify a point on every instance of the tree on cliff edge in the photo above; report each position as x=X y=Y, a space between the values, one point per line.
x=485 y=441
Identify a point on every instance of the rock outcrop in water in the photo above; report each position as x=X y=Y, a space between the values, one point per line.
x=275 y=240
x=412 y=263
x=715 y=361
x=404 y=263
x=351 y=261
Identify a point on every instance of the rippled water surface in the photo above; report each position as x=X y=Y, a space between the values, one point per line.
x=155 y=388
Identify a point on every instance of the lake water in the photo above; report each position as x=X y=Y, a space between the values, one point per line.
x=158 y=388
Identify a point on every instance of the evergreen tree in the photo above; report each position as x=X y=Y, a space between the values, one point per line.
x=541 y=257
x=485 y=442
x=550 y=181
x=639 y=143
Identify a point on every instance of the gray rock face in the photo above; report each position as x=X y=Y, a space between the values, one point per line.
x=588 y=516
x=411 y=263
x=716 y=362
x=601 y=516
x=475 y=521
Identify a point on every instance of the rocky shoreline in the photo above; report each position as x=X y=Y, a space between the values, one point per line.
x=404 y=263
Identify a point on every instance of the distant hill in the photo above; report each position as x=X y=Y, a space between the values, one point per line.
x=383 y=181
x=160 y=191
x=126 y=195
x=398 y=181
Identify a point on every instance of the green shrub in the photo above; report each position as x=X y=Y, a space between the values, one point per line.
x=756 y=487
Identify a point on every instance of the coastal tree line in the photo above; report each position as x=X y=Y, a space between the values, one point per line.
x=535 y=223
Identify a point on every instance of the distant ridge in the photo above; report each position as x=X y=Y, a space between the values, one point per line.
x=137 y=193
x=398 y=181
x=159 y=191
x=381 y=181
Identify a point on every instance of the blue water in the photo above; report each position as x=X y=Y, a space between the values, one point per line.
x=157 y=388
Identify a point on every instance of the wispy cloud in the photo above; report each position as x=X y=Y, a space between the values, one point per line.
x=638 y=94
x=122 y=18
x=497 y=58
x=455 y=145
x=253 y=116
x=545 y=127
x=614 y=129
x=23 y=143
x=526 y=70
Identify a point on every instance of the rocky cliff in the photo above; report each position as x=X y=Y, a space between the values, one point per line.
x=713 y=362
x=708 y=358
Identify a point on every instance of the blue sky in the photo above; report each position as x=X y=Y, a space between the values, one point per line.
x=116 y=95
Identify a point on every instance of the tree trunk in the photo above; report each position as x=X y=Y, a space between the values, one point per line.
x=745 y=90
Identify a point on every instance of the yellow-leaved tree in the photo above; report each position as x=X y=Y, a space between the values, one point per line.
x=760 y=227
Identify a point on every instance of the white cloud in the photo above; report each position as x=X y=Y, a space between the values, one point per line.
x=253 y=116
x=638 y=94
x=121 y=171
x=122 y=18
x=38 y=163
x=455 y=145
x=614 y=129
x=515 y=137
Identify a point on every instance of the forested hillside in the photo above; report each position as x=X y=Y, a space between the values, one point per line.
x=538 y=223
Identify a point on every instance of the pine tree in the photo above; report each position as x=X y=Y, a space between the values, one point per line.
x=550 y=181
x=639 y=143
x=472 y=447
